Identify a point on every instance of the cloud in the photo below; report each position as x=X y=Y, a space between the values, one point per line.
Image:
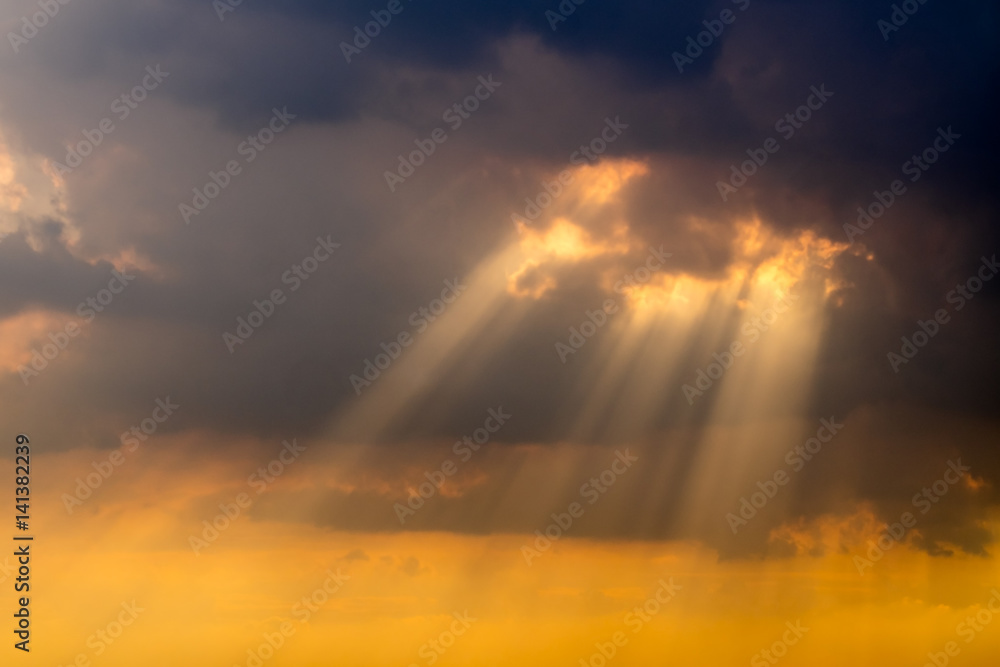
x=325 y=177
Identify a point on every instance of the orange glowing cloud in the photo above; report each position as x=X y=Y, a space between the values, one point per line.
x=568 y=232
x=566 y=239
x=764 y=267
x=562 y=243
x=601 y=183
x=12 y=193
x=20 y=334
x=28 y=188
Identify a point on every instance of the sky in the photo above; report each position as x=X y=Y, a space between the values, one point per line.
x=527 y=333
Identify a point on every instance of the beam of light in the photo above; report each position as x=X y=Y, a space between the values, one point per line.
x=634 y=368
x=502 y=290
x=753 y=412
x=766 y=391
x=482 y=319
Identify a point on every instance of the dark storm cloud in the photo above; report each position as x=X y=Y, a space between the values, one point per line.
x=41 y=278
x=940 y=68
x=325 y=177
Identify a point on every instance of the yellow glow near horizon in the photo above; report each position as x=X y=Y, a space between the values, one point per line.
x=129 y=543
